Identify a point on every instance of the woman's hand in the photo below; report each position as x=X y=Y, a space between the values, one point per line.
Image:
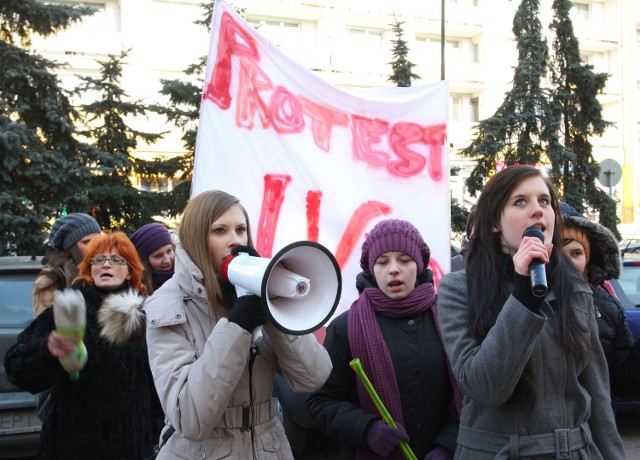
x=531 y=248
x=59 y=346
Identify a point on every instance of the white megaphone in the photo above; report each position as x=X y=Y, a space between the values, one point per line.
x=300 y=286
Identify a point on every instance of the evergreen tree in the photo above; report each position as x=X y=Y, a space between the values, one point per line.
x=524 y=128
x=183 y=109
x=576 y=87
x=41 y=159
x=401 y=66
x=116 y=202
x=458 y=213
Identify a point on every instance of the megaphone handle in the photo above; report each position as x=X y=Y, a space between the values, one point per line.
x=256 y=335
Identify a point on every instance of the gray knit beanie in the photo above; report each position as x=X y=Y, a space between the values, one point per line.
x=70 y=229
x=394 y=235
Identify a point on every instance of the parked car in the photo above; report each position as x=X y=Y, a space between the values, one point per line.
x=19 y=424
x=630 y=249
x=627 y=289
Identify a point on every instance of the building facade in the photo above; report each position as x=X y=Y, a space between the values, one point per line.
x=348 y=43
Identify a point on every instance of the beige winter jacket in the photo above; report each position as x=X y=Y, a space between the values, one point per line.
x=201 y=373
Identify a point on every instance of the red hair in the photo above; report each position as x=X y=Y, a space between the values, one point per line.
x=104 y=244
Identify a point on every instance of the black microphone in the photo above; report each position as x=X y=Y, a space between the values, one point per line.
x=536 y=269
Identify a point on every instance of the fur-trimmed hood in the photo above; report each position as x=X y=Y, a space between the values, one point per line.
x=122 y=318
x=605 y=253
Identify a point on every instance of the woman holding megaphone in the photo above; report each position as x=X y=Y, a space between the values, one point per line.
x=215 y=385
x=103 y=403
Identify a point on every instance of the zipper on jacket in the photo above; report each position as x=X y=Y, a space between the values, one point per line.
x=247 y=415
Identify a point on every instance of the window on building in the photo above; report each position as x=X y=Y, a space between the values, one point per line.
x=474 y=110
x=581 y=11
x=452 y=50
x=363 y=47
x=154 y=184
x=476 y=53
x=425 y=53
x=287 y=35
x=454 y=107
x=280 y=33
x=372 y=38
x=103 y=20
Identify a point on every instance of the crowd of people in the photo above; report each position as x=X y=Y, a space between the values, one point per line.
x=479 y=367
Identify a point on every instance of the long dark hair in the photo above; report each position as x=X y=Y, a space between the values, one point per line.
x=490 y=271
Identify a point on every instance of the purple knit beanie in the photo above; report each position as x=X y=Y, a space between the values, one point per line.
x=394 y=235
x=149 y=238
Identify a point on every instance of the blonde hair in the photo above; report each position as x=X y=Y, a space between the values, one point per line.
x=201 y=211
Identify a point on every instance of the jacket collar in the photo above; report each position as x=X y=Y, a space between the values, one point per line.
x=166 y=307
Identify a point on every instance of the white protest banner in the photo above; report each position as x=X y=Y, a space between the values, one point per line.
x=310 y=161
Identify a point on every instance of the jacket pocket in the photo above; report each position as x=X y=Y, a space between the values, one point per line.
x=212 y=448
x=273 y=442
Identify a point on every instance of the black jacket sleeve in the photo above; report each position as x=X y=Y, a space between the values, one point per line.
x=334 y=408
x=448 y=437
x=28 y=363
x=617 y=342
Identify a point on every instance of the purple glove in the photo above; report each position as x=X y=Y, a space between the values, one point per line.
x=439 y=453
x=381 y=438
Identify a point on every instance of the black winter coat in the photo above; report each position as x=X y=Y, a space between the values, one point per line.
x=617 y=342
x=423 y=379
x=623 y=355
x=109 y=413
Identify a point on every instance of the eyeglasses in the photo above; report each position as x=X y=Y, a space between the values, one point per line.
x=113 y=260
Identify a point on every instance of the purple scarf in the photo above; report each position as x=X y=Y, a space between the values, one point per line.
x=160 y=276
x=367 y=343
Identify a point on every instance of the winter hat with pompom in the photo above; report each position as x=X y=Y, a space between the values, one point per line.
x=394 y=235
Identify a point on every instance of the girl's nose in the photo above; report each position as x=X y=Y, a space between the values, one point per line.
x=537 y=209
